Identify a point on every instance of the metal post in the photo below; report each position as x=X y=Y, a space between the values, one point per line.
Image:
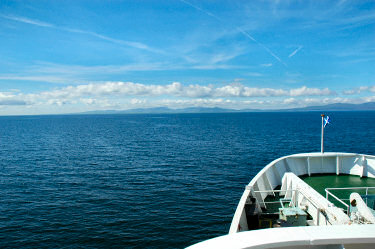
x=318 y=216
x=322 y=139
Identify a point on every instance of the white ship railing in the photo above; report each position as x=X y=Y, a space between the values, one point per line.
x=273 y=191
x=294 y=202
x=300 y=164
x=328 y=193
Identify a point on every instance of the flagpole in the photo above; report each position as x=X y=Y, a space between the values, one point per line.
x=322 y=138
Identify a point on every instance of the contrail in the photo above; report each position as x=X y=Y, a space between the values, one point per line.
x=200 y=9
x=27 y=20
x=246 y=34
x=295 y=51
x=260 y=44
x=137 y=45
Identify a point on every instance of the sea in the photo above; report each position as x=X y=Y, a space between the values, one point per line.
x=147 y=181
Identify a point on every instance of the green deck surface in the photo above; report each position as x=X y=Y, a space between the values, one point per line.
x=321 y=182
x=273 y=208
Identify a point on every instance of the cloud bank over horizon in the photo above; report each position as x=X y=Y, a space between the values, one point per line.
x=128 y=95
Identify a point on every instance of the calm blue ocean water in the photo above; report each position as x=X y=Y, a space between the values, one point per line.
x=146 y=181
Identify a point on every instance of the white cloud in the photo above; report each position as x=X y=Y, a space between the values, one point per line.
x=223 y=57
x=368 y=99
x=305 y=91
x=302 y=102
x=78 y=74
x=11 y=99
x=89 y=93
x=195 y=102
x=88 y=101
x=41 y=78
x=351 y=92
x=367 y=88
x=289 y=101
x=12 y=102
x=138 y=101
x=59 y=102
x=127 y=95
x=242 y=91
x=360 y=90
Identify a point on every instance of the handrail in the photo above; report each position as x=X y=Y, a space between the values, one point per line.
x=274 y=190
x=319 y=210
x=267 y=191
x=350 y=188
x=334 y=196
x=345 y=188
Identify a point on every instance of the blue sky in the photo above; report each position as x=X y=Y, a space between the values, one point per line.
x=74 y=56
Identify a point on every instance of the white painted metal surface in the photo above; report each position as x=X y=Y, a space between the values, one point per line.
x=300 y=164
x=321 y=210
x=347 y=236
x=363 y=211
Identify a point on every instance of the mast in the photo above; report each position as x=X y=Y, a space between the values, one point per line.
x=322 y=138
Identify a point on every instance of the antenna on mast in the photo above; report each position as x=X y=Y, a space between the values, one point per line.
x=325 y=121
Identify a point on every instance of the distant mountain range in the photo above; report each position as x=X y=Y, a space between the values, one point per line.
x=370 y=106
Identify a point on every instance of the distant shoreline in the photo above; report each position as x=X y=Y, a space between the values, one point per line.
x=369 y=106
x=365 y=107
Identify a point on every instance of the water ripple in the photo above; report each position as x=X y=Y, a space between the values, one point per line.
x=145 y=181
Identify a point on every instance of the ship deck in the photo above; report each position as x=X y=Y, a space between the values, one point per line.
x=320 y=182
x=309 y=192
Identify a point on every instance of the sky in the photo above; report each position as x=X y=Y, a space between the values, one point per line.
x=74 y=56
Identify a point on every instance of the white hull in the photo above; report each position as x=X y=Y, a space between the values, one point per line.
x=332 y=237
x=330 y=226
x=300 y=164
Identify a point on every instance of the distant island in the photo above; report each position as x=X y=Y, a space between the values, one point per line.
x=369 y=106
